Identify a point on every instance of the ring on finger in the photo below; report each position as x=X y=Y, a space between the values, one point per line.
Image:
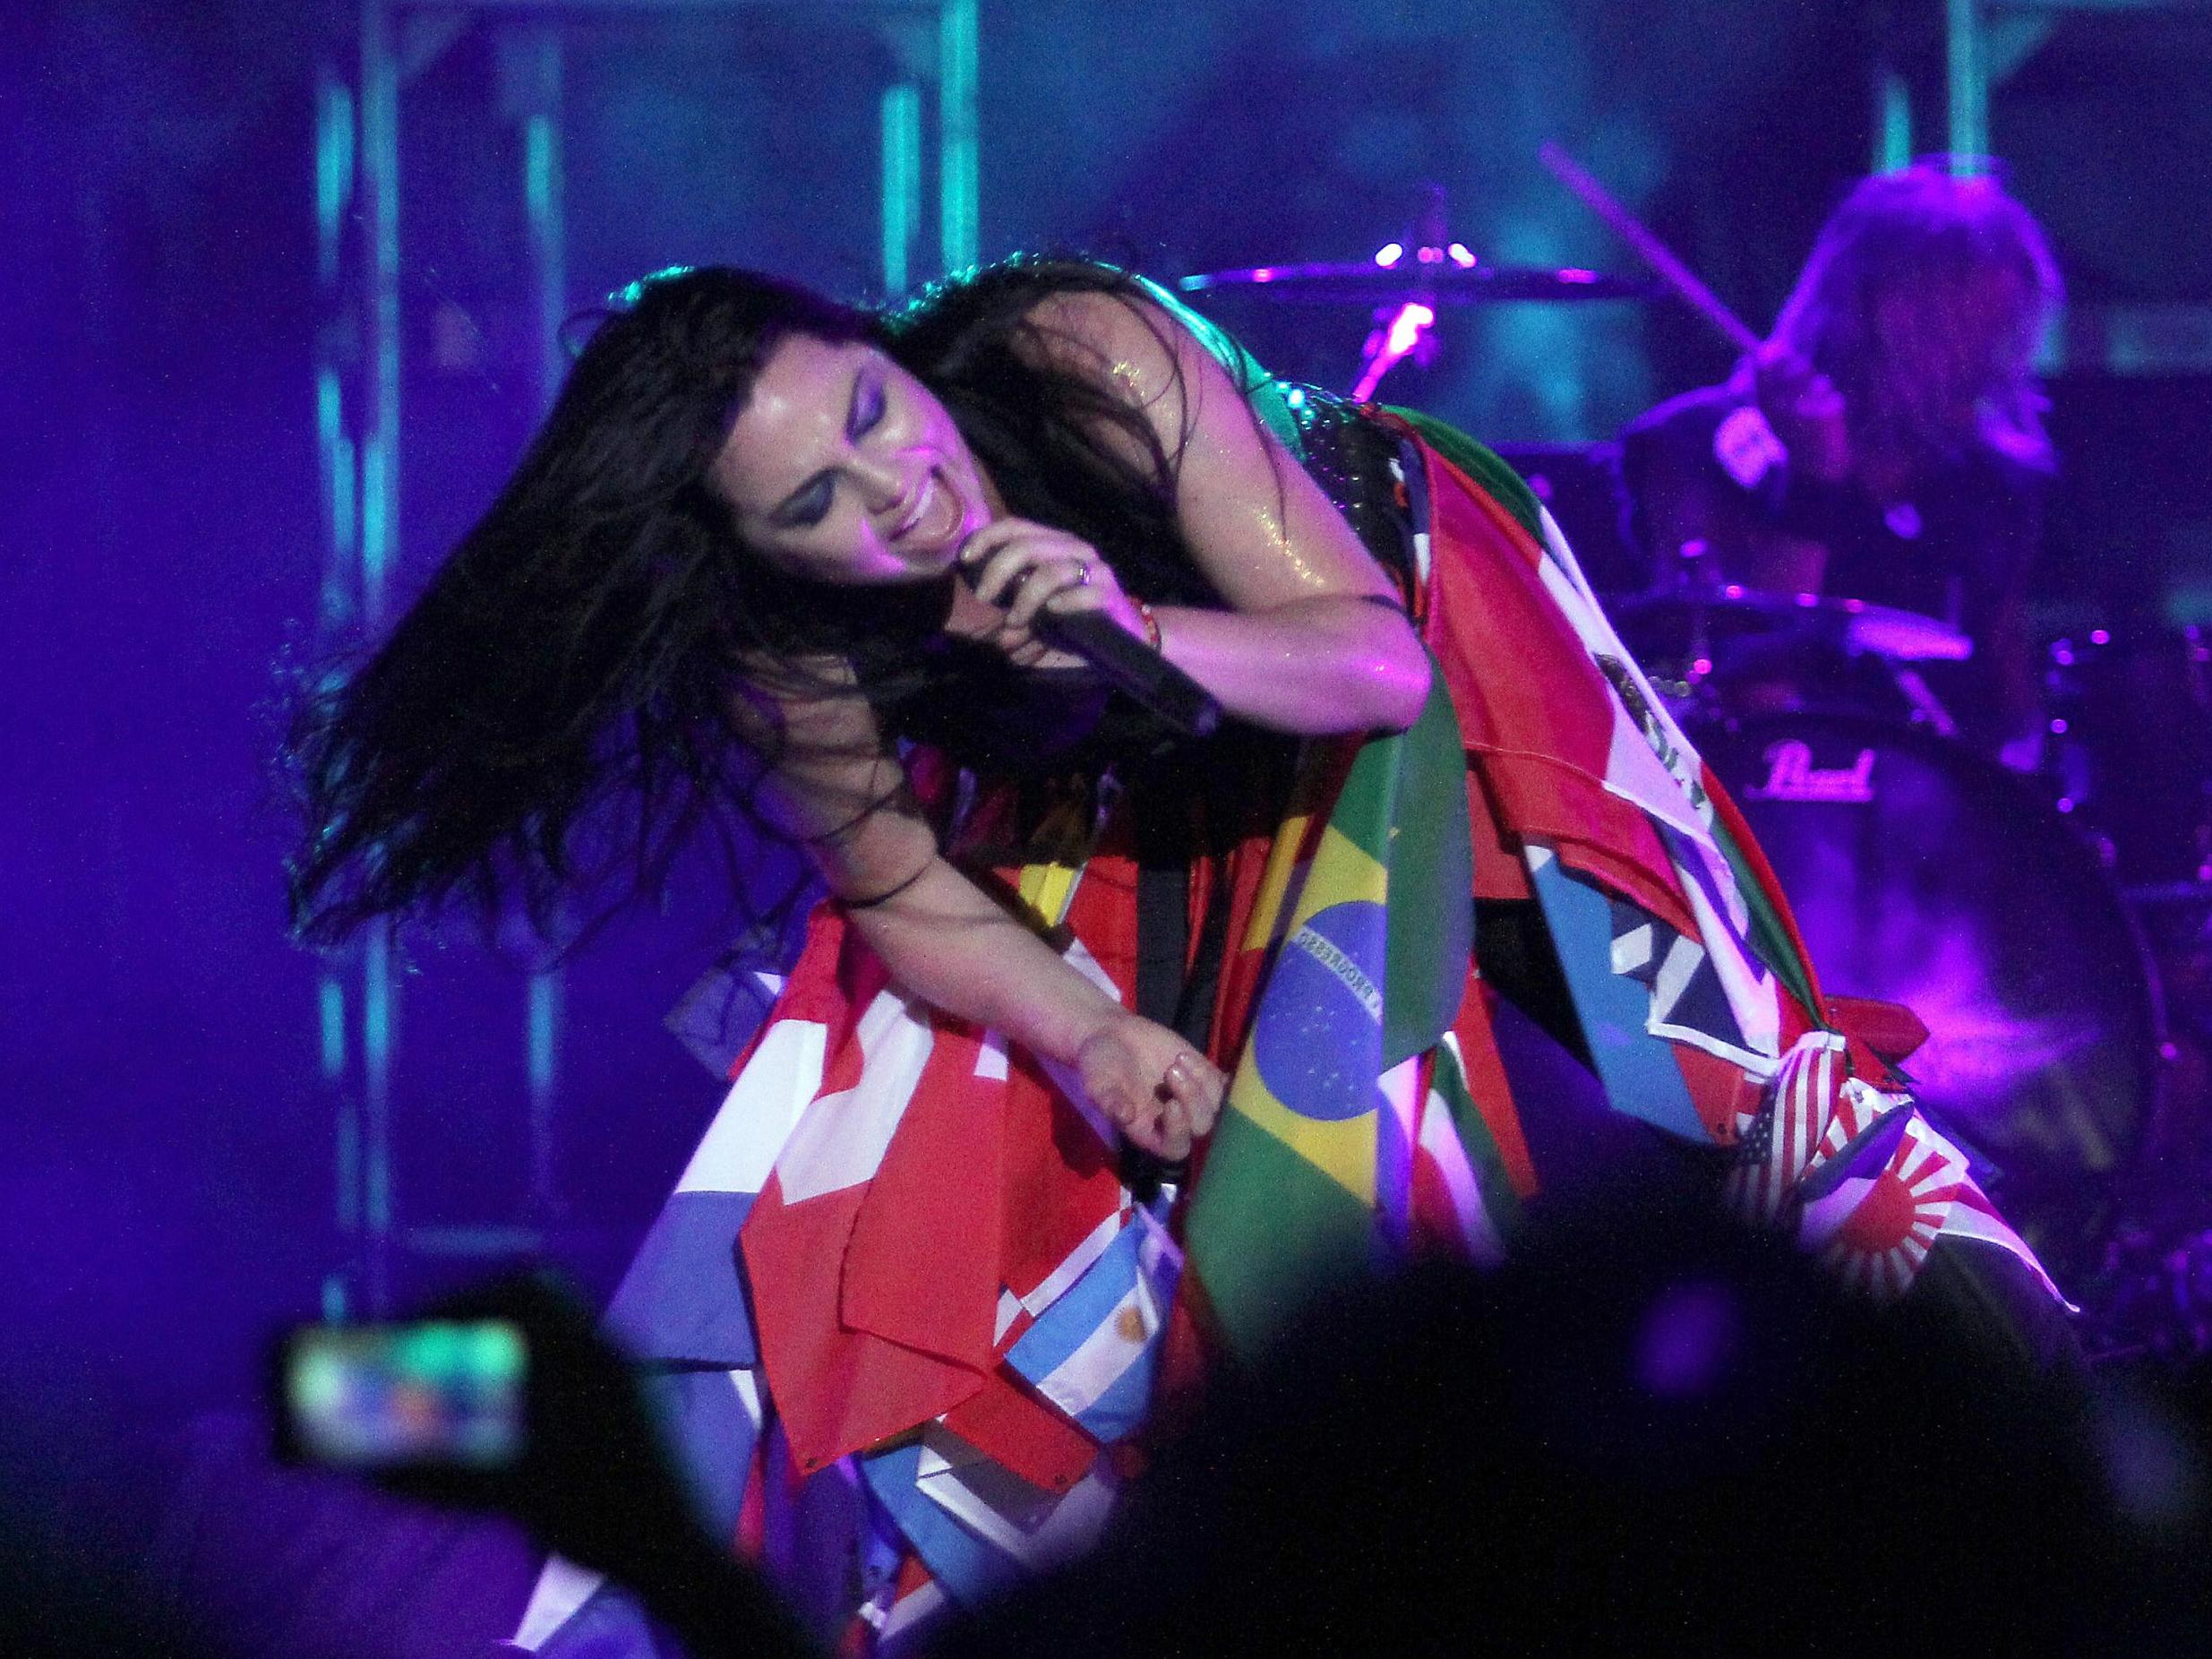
x=1082 y=572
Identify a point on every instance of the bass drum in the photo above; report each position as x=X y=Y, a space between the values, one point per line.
x=1922 y=874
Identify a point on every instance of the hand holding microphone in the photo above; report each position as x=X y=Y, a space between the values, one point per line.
x=1060 y=598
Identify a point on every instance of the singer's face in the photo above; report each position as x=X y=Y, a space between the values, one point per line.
x=843 y=468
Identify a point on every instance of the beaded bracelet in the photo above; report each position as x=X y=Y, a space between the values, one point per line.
x=1152 y=624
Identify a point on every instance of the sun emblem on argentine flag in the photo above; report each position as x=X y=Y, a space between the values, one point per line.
x=1877 y=1232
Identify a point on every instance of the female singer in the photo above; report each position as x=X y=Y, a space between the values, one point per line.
x=775 y=557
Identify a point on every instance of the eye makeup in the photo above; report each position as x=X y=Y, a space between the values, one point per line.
x=809 y=505
x=867 y=404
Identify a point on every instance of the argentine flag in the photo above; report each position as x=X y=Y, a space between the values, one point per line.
x=1094 y=1352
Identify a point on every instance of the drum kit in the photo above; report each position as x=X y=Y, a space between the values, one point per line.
x=2052 y=925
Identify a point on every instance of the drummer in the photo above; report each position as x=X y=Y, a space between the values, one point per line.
x=1886 y=442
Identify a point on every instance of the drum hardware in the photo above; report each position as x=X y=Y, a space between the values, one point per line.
x=2175 y=920
x=1928 y=707
x=2129 y=747
x=1694 y=581
x=2197 y=891
x=1406 y=282
x=1437 y=277
x=2071 y=1005
x=2152 y=1300
x=1857 y=625
x=2071 y=1017
x=1717 y=648
x=1923 y=873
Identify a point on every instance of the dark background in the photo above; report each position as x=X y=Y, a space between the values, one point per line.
x=167 y=1144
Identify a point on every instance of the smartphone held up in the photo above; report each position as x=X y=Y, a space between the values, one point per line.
x=424 y=1395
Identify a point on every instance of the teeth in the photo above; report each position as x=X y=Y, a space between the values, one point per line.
x=912 y=518
x=934 y=494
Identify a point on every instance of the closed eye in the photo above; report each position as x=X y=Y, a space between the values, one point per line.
x=867 y=408
x=809 y=505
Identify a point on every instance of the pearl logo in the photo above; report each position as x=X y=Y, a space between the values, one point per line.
x=1791 y=776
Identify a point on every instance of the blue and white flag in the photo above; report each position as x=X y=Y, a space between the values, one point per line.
x=1094 y=1351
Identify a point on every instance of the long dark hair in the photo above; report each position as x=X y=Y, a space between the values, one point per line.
x=557 y=706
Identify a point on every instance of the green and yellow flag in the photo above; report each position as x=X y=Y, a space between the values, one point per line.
x=1369 y=921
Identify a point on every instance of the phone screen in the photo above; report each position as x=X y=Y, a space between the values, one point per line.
x=428 y=1393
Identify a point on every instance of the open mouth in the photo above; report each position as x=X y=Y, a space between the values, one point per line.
x=913 y=510
x=932 y=521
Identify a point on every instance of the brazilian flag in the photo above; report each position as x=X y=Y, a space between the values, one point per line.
x=1370 y=923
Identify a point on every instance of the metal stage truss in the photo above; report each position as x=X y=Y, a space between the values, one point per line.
x=1919 y=94
x=361 y=100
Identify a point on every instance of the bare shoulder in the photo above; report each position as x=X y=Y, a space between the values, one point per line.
x=832 y=783
x=774 y=700
x=1126 y=341
x=814 y=728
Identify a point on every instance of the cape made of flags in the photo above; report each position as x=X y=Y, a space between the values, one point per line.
x=905 y=1316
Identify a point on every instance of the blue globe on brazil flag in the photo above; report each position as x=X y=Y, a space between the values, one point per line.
x=1318 y=1038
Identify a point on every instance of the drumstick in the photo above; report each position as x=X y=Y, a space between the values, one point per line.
x=1654 y=252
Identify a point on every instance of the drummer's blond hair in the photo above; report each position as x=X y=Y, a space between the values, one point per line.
x=1922 y=231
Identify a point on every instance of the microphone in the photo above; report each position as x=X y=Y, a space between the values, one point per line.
x=1133 y=668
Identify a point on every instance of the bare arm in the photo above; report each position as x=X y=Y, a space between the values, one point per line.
x=946 y=941
x=1303 y=647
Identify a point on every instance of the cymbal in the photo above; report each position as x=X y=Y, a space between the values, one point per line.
x=1855 y=624
x=1451 y=278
